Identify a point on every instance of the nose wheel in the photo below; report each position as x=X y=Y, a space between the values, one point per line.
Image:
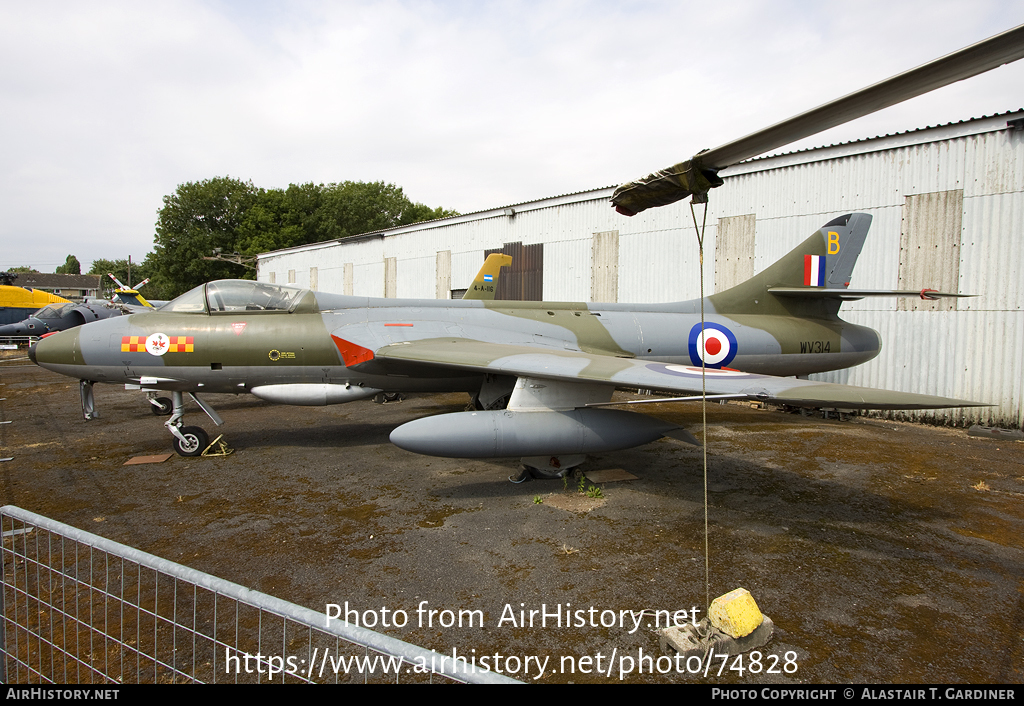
x=192 y=442
x=161 y=406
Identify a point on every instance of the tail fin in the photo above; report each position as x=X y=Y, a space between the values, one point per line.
x=825 y=260
x=486 y=282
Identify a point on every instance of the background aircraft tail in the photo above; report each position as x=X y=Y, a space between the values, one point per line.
x=824 y=261
x=486 y=282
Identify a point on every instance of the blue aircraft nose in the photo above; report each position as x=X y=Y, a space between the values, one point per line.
x=29 y=327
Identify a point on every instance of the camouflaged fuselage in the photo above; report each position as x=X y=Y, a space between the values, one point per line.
x=235 y=351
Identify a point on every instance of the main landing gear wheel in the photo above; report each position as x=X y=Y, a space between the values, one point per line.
x=196 y=441
x=161 y=406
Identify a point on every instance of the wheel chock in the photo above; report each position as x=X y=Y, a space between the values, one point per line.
x=221 y=450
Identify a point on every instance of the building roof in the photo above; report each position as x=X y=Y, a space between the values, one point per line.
x=917 y=136
x=44 y=280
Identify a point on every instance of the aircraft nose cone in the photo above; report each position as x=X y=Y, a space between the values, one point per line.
x=16 y=329
x=57 y=350
x=32 y=352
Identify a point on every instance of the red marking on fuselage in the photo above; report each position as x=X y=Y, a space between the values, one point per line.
x=713 y=346
x=398 y=324
x=351 y=353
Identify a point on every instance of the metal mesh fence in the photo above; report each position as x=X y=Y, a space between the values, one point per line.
x=78 y=608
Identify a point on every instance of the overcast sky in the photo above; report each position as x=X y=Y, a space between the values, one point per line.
x=105 y=107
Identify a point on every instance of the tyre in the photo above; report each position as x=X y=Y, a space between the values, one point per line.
x=161 y=406
x=196 y=441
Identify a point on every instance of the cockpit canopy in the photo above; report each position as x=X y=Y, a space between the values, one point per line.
x=239 y=295
x=54 y=311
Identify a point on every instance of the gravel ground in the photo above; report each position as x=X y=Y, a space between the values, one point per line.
x=884 y=552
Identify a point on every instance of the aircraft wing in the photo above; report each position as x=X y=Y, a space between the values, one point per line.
x=568 y=366
x=855 y=294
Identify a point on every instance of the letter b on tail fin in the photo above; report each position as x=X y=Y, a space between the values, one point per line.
x=843 y=239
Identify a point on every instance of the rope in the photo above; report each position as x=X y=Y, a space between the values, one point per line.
x=703 y=405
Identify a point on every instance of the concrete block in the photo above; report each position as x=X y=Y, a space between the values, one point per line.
x=736 y=613
x=704 y=639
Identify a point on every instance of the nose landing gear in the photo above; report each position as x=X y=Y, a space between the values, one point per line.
x=189 y=441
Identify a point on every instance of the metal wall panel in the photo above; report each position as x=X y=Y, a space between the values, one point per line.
x=604 y=267
x=391 y=277
x=567 y=269
x=416 y=277
x=930 y=247
x=992 y=252
x=734 y=251
x=995 y=163
x=663 y=265
x=968 y=355
x=443 y=275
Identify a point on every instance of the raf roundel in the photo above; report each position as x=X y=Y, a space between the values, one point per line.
x=716 y=346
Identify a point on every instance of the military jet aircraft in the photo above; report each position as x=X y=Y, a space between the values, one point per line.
x=60 y=316
x=555 y=363
x=16 y=303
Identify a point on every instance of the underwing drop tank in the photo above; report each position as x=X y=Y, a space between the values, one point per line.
x=312 y=394
x=501 y=433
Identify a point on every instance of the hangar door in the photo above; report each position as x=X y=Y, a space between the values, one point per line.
x=524 y=279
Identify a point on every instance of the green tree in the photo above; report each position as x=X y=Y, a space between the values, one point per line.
x=197 y=218
x=281 y=218
x=22 y=268
x=118 y=268
x=420 y=212
x=71 y=266
x=356 y=207
x=236 y=216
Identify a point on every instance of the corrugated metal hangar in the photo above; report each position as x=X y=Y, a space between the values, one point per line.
x=948 y=210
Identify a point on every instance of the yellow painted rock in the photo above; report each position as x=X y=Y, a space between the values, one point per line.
x=736 y=614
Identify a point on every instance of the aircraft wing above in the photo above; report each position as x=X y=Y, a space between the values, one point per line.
x=699 y=174
x=569 y=366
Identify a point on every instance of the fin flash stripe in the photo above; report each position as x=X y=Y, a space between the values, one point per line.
x=814 y=270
